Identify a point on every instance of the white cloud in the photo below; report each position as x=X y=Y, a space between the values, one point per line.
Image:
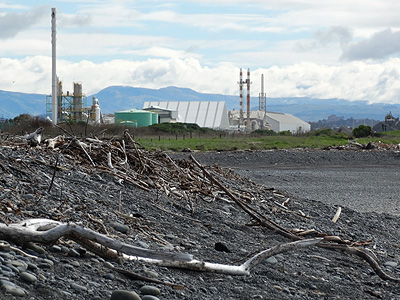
x=12 y=23
x=380 y=45
x=352 y=81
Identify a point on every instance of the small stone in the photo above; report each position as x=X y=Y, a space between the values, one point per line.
x=108 y=265
x=45 y=261
x=55 y=248
x=78 y=287
x=32 y=266
x=313 y=286
x=150 y=273
x=150 y=297
x=75 y=263
x=391 y=264
x=95 y=260
x=109 y=276
x=17 y=292
x=64 y=249
x=35 y=248
x=150 y=290
x=142 y=244
x=11 y=288
x=124 y=295
x=25 y=276
x=5 y=268
x=278 y=288
x=121 y=227
x=271 y=260
x=27 y=196
x=73 y=253
x=19 y=263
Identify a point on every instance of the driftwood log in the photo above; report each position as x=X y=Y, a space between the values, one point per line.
x=48 y=232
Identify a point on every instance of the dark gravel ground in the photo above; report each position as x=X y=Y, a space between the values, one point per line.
x=317 y=182
x=366 y=181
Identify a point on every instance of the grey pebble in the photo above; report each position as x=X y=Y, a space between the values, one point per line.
x=27 y=196
x=391 y=264
x=75 y=263
x=73 y=253
x=108 y=265
x=35 y=248
x=78 y=287
x=121 y=227
x=150 y=273
x=19 y=263
x=55 y=248
x=25 y=276
x=142 y=244
x=32 y=266
x=150 y=297
x=11 y=288
x=271 y=260
x=109 y=276
x=124 y=295
x=64 y=249
x=150 y=290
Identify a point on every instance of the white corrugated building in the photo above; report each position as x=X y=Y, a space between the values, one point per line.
x=210 y=114
x=286 y=122
x=274 y=121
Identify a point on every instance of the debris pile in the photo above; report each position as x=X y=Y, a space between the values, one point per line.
x=119 y=190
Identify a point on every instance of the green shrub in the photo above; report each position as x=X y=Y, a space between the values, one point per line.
x=363 y=131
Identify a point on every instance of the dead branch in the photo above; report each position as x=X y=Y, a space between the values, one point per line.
x=262 y=220
x=48 y=232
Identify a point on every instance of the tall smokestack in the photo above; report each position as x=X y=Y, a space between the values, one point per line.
x=248 y=97
x=54 y=83
x=241 y=97
x=262 y=95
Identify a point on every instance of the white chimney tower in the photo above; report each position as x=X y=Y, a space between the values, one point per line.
x=54 y=83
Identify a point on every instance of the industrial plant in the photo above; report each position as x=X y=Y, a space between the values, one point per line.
x=61 y=107
x=213 y=114
x=68 y=107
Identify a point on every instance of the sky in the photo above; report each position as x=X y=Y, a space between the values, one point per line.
x=347 y=49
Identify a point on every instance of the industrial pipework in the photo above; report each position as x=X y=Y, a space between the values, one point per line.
x=248 y=99
x=240 y=82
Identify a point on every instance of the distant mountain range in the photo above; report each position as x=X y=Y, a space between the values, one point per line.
x=115 y=98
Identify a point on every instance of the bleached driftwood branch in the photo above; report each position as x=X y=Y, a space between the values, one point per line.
x=35 y=137
x=48 y=231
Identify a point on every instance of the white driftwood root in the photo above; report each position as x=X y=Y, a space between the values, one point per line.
x=337 y=215
x=48 y=231
x=243 y=269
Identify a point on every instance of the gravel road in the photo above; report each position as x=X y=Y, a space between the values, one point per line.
x=366 y=181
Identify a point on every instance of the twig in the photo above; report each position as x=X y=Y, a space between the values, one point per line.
x=54 y=175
